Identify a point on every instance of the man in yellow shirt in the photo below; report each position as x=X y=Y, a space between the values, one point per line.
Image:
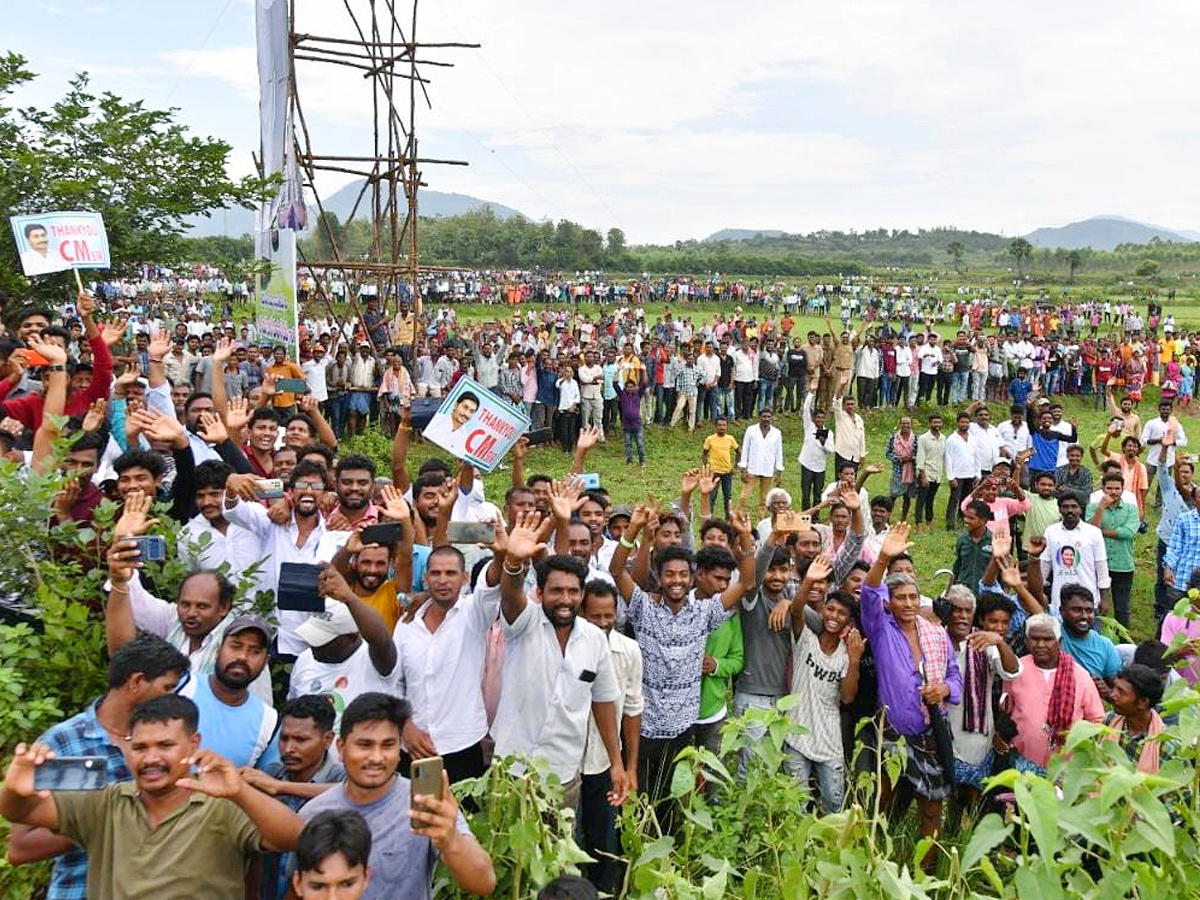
x=718 y=454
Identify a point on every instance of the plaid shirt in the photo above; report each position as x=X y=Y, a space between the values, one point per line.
x=1183 y=550
x=80 y=735
x=686 y=380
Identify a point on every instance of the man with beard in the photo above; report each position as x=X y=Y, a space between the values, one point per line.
x=444 y=645
x=167 y=834
x=195 y=624
x=409 y=834
x=557 y=666
x=672 y=630
x=234 y=723
x=306 y=768
x=143 y=669
x=354 y=482
x=208 y=539
x=196 y=406
x=303 y=538
x=350 y=649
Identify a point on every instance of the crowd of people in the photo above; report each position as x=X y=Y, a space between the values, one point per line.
x=599 y=634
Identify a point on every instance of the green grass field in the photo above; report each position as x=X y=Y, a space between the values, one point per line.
x=670 y=452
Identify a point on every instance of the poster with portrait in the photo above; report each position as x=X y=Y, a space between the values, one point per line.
x=57 y=241
x=475 y=425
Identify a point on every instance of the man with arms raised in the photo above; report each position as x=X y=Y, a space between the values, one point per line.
x=166 y=835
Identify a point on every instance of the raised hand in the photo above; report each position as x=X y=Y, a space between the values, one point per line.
x=521 y=448
x=85 y=304
x=160 y=345
x=708 y=480
x=896 y=542
x=244 y=486
x=159 y=427
x=332 y=584
x=850 y=498
x=562 y=499
x=212 y=429
x=20 y=776
x=268 y=385
x=873 y=469
x=523 y=543
x=237 y=413
x=134 y=515
x=394 y=506
x=689 y=482
x=223 y=350
x=588 y=438
x=66 y=498
x=820 y=568
x=740 y=520
x=307 y=403
x=51 y=349
x=114 y=332
x=639 y=518
x=855 y=644
x=1037 y=545
x=96 y=416
x=1010 y=573
x=1001 y=544
x=9 y=425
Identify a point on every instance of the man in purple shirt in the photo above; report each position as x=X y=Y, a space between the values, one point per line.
x=918 y=674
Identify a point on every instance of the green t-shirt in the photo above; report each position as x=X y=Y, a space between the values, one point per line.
x=1124 y=520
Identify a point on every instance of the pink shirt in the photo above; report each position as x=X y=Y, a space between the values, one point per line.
x=1030 y=693
x=1003 y=509
x=1173 y=625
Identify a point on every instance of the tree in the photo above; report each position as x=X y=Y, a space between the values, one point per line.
x=328 y=235
x=137 y=167
x=1021 y=251
x=1074 y=261
x=956 y=249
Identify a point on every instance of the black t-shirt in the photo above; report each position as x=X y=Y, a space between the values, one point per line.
x=797 y=363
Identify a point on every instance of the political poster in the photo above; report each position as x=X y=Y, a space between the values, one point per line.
x=57 y=241
x=275 y=294
x=475 y=425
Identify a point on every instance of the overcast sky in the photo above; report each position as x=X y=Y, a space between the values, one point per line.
x=674 y=119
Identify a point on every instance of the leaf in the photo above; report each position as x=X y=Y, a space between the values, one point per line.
x=993 y=877
x=683 y=779
x=1039 y=806
x=713 y=887
x=657 y=849
x=989 y=833
x=1153 y=816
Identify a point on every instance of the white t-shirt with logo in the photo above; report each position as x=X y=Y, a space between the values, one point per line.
x=817 y=682
x=342 y=681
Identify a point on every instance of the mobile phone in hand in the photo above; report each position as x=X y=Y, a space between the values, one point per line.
x=72 y=773
x=426 y=778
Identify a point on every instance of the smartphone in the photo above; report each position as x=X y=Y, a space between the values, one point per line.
x=268 y=488
x=789 y=521
x=540 y=436
x=297 y=590
x=73 y=773
x=470 y=532
x=33 y=358
x=291 y=386
x=153 y=547
x=591 y=481
x=383 y=533
x=427 y=777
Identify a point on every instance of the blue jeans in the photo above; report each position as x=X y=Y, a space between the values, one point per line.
x=721 y=403
x=634 y=437
x=766 y=393
x=958 y=387
x=743 y=701
x=831 y=776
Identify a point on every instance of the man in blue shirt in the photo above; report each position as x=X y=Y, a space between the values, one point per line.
x=233 y=722
x=1088 y=647
x=145 y=668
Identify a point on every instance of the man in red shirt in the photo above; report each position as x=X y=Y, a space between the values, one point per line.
x=28 y=409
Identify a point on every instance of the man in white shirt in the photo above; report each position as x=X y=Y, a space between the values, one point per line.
x=850 y=433
x=929 y=359
x=597 y=817
x=1165 y=430
x=301 y=539
x=987 y=438
x=1075 y=554
x=814 y=452
x=709 y=367
x=441 y=653
x=745 y=368
x=962 y=467
x=209 y=540
x=1014 y=434
x=904 y=372
x=762 y=456
x=591 y=383
x=557 y=667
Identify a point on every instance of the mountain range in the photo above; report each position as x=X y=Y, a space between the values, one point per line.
x=236 y=221
x=1099 y=233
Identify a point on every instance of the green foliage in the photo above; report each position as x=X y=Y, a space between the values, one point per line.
x=138 y=167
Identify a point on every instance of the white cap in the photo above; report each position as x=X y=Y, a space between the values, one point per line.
x=321 y=628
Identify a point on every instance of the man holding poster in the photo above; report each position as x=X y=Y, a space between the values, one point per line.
x=476 y=425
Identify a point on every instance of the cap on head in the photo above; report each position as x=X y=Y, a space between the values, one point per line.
x=251 y=623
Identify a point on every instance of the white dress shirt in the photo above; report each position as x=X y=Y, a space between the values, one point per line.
x=1153 y=431
x=813 y=453
x=627 y=666
x=1014 y=438
x=762 y=455
x=278 y=544
x=961 y=459
x=441 y=672
x=236 y=546
x=548 y=692
x=904 y=361
x=987 y=445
